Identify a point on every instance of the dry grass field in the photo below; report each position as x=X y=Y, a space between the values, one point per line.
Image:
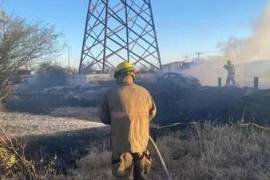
x=200 y=152
x=204 y=153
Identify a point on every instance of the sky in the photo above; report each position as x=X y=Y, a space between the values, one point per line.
x=184 y=27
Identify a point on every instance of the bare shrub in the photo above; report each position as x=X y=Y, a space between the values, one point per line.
x=5 y=89
x=22 y=43
x=12 y=160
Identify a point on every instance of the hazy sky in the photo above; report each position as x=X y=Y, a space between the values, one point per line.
x=184 y=26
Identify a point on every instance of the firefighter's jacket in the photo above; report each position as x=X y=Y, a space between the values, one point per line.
x=128 y=109
x=230 y=69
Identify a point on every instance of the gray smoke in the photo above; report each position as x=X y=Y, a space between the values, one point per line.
x=250 y=55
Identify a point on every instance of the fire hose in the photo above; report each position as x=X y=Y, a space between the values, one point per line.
x=161 y=159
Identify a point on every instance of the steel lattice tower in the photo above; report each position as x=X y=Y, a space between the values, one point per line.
x=118 y=30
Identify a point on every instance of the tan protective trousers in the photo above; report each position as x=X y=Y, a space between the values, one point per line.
x=132 y=166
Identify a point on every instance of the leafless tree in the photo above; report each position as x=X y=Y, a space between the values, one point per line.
x=22 y=43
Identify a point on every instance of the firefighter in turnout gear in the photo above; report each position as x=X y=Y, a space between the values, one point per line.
x=128 y=109
x=231 y=73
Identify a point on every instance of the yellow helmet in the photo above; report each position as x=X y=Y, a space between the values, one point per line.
x=123 y=67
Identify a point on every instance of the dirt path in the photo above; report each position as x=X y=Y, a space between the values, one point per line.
x=21 y=124
x=61 y=139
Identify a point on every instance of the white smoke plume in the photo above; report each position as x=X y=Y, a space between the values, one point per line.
x=251 y=55
x=257 y=46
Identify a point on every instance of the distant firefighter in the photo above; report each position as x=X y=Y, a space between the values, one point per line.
x=231 y=73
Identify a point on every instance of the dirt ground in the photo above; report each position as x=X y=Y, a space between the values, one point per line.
x=83 y=113
x=60 y=120
x=67 y=136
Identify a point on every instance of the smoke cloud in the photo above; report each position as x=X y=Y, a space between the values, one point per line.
x=250 y=55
